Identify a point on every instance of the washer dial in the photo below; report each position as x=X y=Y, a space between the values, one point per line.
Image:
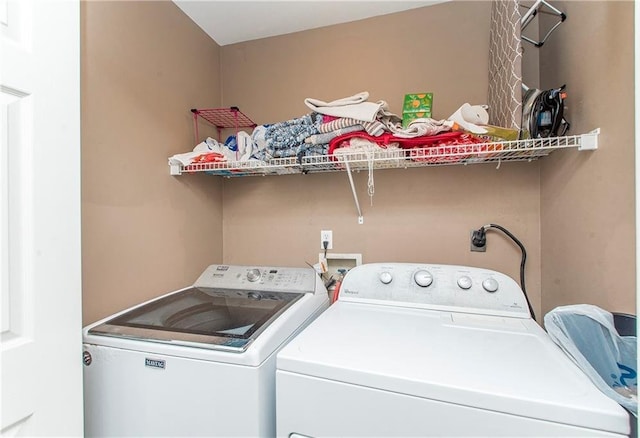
x=253 y=275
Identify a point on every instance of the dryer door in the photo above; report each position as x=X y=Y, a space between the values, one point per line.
x=201 y=317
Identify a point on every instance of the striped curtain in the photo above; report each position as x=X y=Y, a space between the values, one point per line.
x=505 y=65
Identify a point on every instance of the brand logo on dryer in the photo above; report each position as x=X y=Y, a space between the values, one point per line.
x=349 y=292
x=154 y=363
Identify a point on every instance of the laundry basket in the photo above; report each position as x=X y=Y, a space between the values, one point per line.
x=589 y=336
x=625 y=324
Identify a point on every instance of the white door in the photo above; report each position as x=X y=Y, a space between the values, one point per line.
x=40 y=270
x=636 y=38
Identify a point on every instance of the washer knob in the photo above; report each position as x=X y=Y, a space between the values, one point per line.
x=386 y=277
x=423 y=278
x=253 y=275
x=465 y=282
x=490 y=285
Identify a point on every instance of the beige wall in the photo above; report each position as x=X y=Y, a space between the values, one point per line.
x=145 y=232
x=144 y=65
x=587 y=199
x=441 y=48
x=421 y=215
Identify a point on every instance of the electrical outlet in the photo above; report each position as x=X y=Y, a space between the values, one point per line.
x=475 y=248
x=326 y=236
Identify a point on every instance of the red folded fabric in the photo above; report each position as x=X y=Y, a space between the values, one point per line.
x=455 y=150
x=387 y=138
x=452 y=146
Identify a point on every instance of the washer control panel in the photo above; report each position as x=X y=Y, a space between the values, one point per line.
x=258 y=278
x=458 y=288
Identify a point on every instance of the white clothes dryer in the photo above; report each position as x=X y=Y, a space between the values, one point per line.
x=199 y=361
x=434 y=350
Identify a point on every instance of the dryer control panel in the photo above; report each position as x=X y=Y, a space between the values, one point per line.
x=258 y=278
x=441 y=287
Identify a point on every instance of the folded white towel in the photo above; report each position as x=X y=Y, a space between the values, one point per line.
x=183 y=159
x=418 y=127
x=356 y=98
x=354 y=107
x=207 y=146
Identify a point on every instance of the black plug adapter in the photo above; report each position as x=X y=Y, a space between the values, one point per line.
x=479 y=237
x=479 y=240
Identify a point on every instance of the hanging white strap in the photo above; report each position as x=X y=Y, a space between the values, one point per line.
x=370 y=183
x=355 y=195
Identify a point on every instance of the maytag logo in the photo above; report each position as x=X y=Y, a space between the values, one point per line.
x=222 y=268
x=154 y=363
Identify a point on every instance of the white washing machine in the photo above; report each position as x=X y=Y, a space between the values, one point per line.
x=199 y=361
x=434 y=350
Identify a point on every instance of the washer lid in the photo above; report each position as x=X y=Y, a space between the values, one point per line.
x=201 y=317
x=494 y=363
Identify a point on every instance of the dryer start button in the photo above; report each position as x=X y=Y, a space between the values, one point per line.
x=465 y=282
x=423 y=278
x=490 y=284
x=386 y=277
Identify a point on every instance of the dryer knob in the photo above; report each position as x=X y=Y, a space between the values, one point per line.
x=423 y=278
x=490 y=285
x=465 y=282
x=386 y=277
x=253 y=275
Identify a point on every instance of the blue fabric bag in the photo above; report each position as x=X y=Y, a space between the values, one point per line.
x=588 y=335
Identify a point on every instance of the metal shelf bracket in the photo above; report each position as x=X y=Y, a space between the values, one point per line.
x=589 y=141
x=175 y=169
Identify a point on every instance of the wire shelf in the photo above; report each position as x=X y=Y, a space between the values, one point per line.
x=504 y=151
x=280 y=166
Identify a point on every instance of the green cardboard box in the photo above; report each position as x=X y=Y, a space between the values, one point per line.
x=416 y=106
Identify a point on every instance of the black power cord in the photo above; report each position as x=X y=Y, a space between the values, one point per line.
x=479 y=239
